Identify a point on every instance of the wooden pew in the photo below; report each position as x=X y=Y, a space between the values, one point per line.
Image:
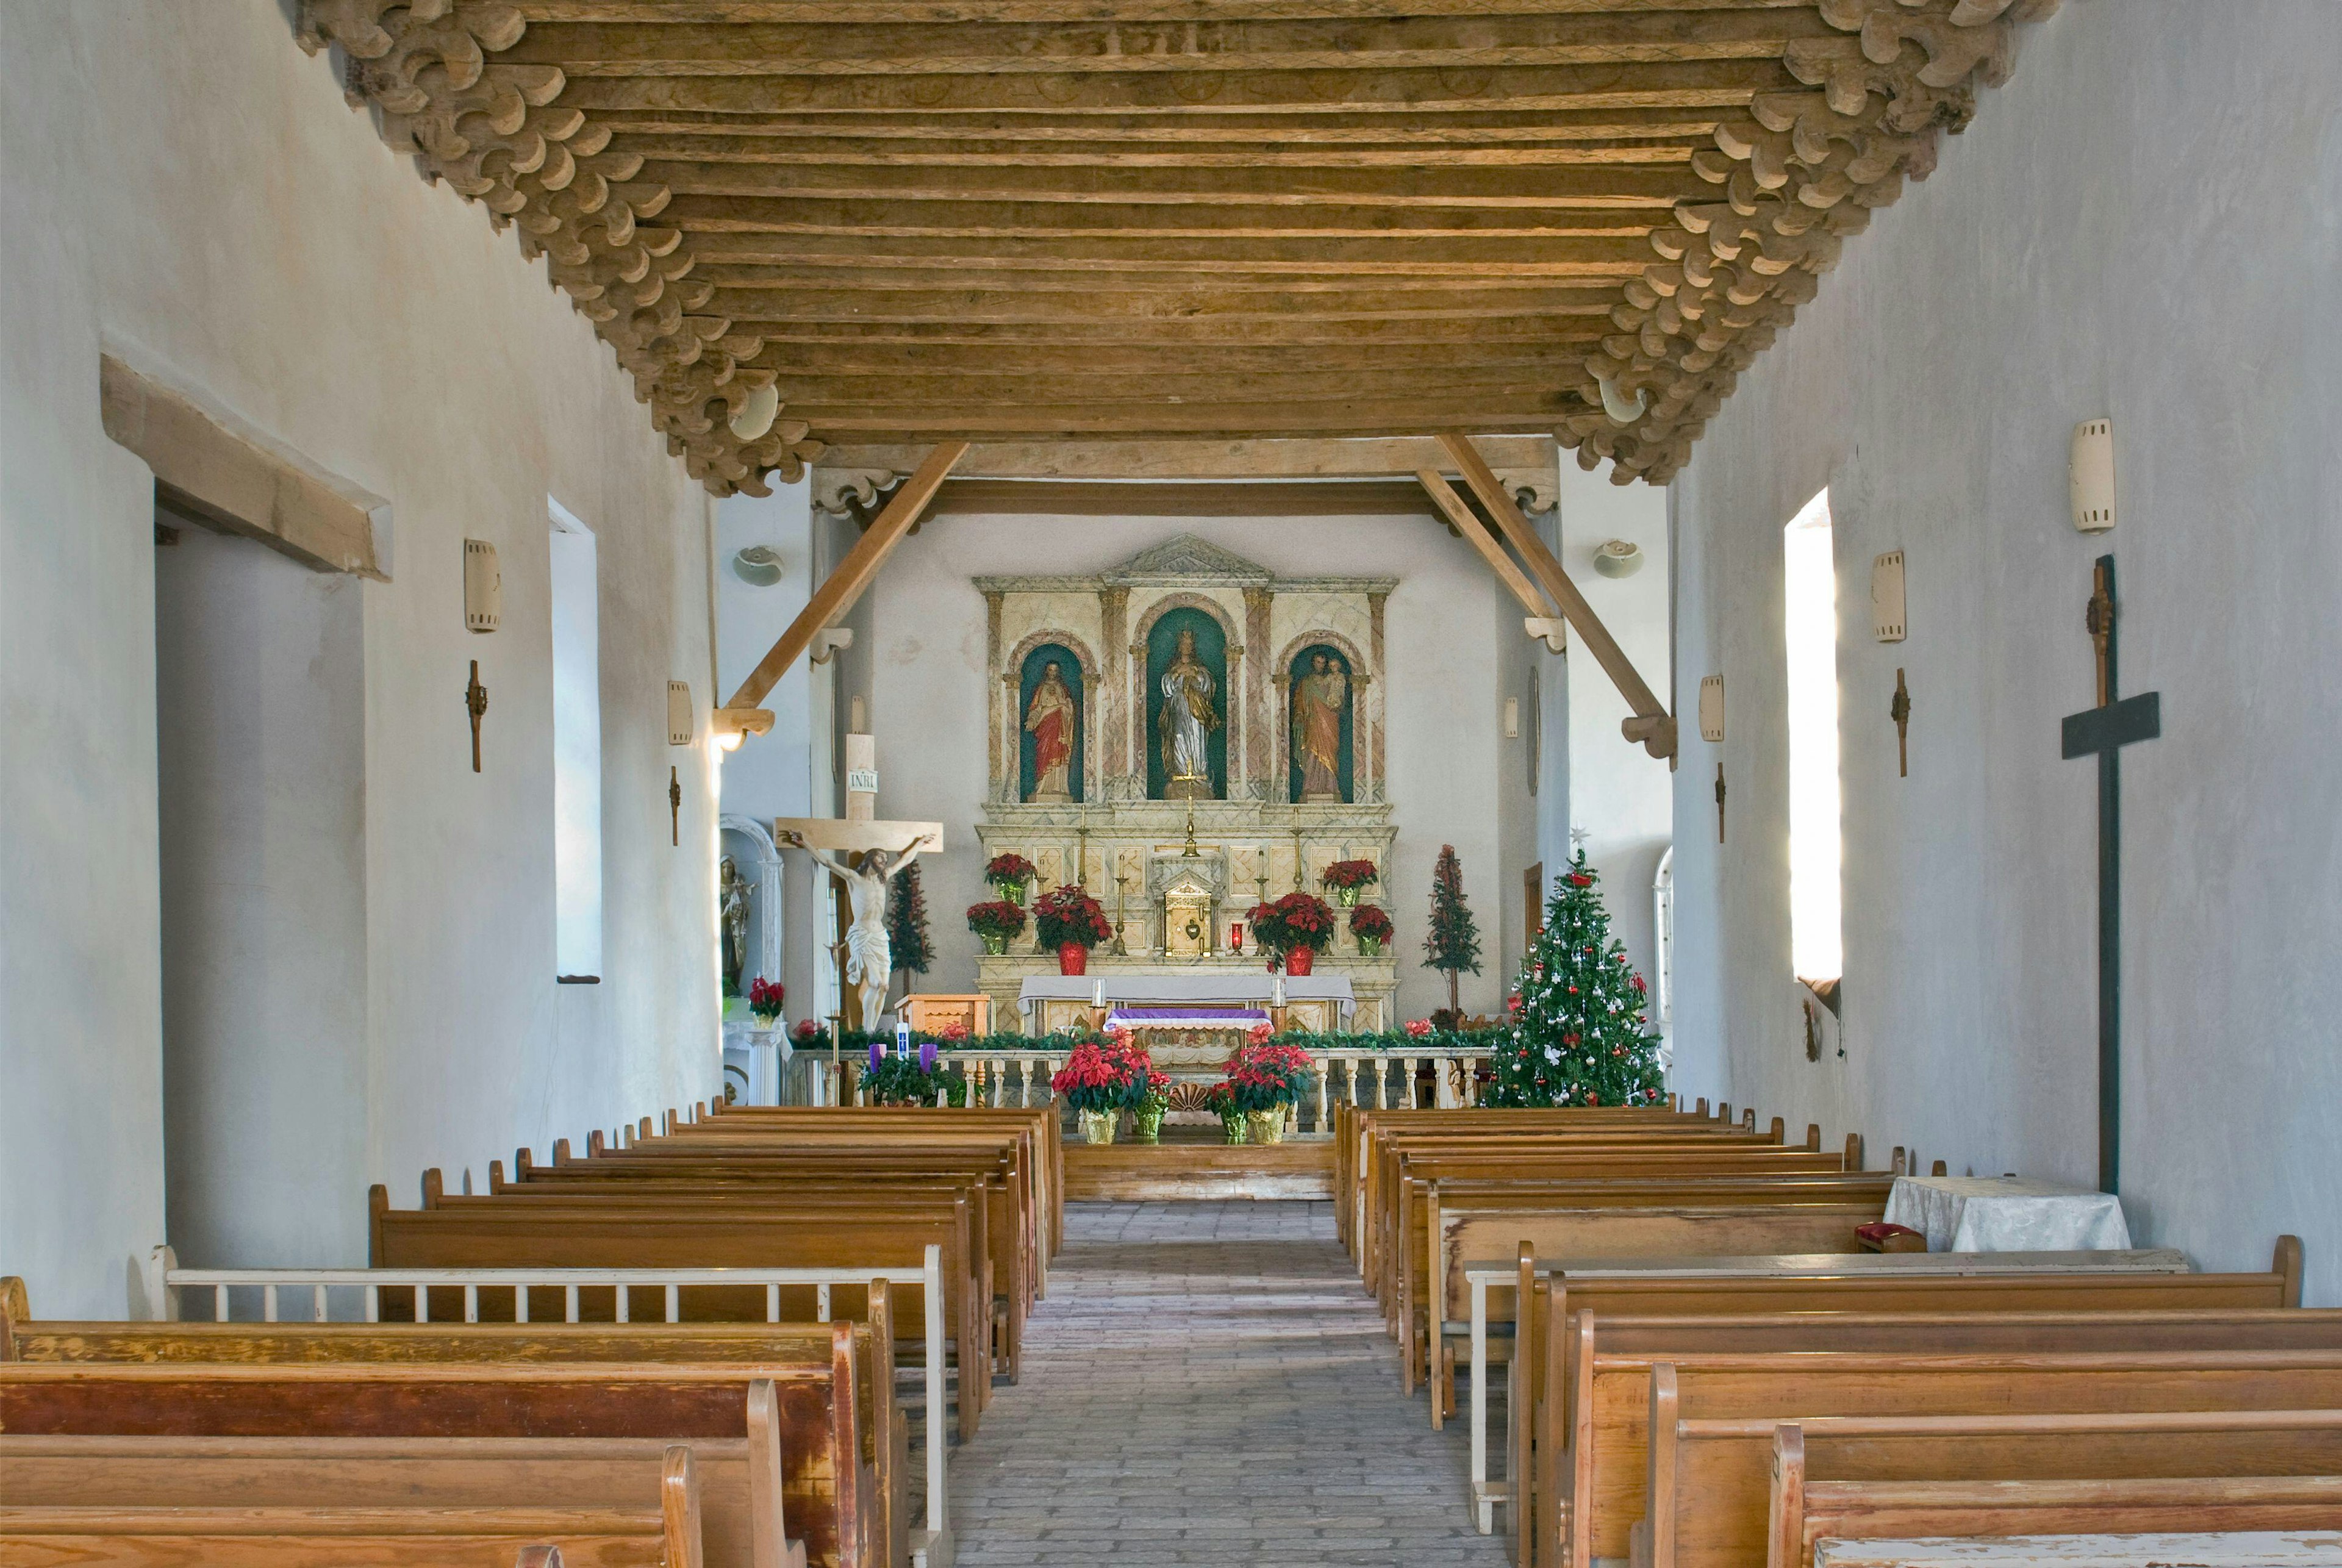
x=1967 y=1476
x=166 y=1502
x=1655 y=1217
x=879 y=1416
x=1705 y=1491
x=695 y=1182
x=845 y=1232
x=1558 y=1358
x=1040 y=1123
x=828 y=1490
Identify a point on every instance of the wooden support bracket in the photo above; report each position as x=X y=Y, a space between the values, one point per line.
x=855 y=574
x=1651 y=724
x=1492 y=550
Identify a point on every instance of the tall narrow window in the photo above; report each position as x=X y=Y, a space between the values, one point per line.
x=1816 y=950
x=576 y=751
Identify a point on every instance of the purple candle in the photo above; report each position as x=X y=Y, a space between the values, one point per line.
x=927 y=1055
x=877 y=1053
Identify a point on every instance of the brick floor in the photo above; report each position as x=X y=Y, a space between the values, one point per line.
x=1206 y=1383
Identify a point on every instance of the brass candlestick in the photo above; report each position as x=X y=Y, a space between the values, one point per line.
x=1121 y=882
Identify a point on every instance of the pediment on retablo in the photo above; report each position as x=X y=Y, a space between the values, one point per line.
x=1185 y=561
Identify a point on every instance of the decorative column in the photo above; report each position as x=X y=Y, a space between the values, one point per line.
x=1262 y=746
x=1113 y=728
x=1240 y=743
x=1092 y=689
x=1371 y=789
x=1004 y=784
x=1280 y=765
x=1009 y=737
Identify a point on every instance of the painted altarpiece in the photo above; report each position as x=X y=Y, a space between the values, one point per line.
x=1120 y=827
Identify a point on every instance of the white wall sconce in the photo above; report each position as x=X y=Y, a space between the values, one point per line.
x=758 y=565
x=1619 y=558
x=1711 y=707
x=682 y=723
x=757 y=412
x=828 y=641
x=483 y=587
x=1512 y=718
x=2090 y=475
x=733 y=725
x=1888 y=619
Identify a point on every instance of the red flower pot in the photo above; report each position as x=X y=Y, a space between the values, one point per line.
x=1072 y=958
x=1298 y=961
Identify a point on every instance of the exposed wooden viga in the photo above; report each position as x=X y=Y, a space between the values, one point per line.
x=1047 y=220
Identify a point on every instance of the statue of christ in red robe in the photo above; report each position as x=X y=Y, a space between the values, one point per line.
x=1050 y=718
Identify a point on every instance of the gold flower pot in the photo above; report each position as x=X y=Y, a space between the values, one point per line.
x=1265 y=1126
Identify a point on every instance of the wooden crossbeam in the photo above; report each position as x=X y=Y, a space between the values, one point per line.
x=1651 y=724
x=836 y=596
x=1460 y=517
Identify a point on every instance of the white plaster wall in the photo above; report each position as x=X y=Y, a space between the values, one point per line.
x=1619 y=795
x=208 y=205
x=1443 y=749
x=2143 y=225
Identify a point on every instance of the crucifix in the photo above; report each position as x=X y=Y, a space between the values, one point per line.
x=1719 y=802
x=475 y=702
x=2102 y=732
x=675 y=807
x=1899 y=709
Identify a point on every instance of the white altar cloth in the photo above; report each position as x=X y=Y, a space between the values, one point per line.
x=2007 y=1215
x=1254 y=989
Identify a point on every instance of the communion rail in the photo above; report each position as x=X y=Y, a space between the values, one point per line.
x=1376 y=1080
x=315 y=1293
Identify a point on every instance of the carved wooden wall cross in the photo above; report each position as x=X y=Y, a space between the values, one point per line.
x=1719 y=802
x=1900 y=710
x=674 y=807
x=475 y=702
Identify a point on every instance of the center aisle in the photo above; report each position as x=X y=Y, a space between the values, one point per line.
x=1207 y=1383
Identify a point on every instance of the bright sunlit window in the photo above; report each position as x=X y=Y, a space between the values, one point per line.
x=576 y=749
x=1816 y=949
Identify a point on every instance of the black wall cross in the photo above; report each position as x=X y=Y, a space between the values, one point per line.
x=2102 y=732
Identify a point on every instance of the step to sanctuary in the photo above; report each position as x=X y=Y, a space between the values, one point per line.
x=1184 y=1171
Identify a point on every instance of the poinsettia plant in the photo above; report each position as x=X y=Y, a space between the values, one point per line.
x=1108 y=1072
x=808 y=1036
x=1350 y=873
x=764 y=997
x=1296 y=920
x=1008 y=868
x=1068 y=915
x=1369 y=921
x=1264 y=1075
x=996 y=918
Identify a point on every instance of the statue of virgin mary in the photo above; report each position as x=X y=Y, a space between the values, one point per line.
x=1186 y=722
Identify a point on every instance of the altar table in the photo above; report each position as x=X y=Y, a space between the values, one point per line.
x=1253 y=988
x=2007 y=1215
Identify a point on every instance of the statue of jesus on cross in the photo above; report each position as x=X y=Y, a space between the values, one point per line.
x=869 y=957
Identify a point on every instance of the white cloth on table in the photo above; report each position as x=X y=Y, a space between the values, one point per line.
x=2007 y=1215
x=1252 y=987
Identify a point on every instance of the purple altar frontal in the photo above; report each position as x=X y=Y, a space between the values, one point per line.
x=1190 y=1015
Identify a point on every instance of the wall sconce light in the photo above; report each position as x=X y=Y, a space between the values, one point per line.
x=733 y=725
x=1619 y=558
x=483 y=587
x=757 y=412
x=758 y=565
x=1888 y=622
x=682 y=720
x=2090 y=475
x=1711 y=707
x=1512 y=718
x=828 y=641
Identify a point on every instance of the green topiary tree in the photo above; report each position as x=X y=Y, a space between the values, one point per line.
x=907 y=923
x=1578 y=1037
x=1454 y=943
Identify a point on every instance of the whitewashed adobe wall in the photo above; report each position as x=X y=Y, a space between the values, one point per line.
x=928 y=701
x=209 y=206
x=2140 y=225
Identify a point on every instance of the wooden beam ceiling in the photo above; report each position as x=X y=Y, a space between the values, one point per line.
x=929 y=220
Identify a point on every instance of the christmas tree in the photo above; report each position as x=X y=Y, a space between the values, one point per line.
x=906 y=923
x=1454 y=943
x=1579 y=1035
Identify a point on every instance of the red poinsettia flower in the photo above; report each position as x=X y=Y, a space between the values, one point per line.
x=1008 y=868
